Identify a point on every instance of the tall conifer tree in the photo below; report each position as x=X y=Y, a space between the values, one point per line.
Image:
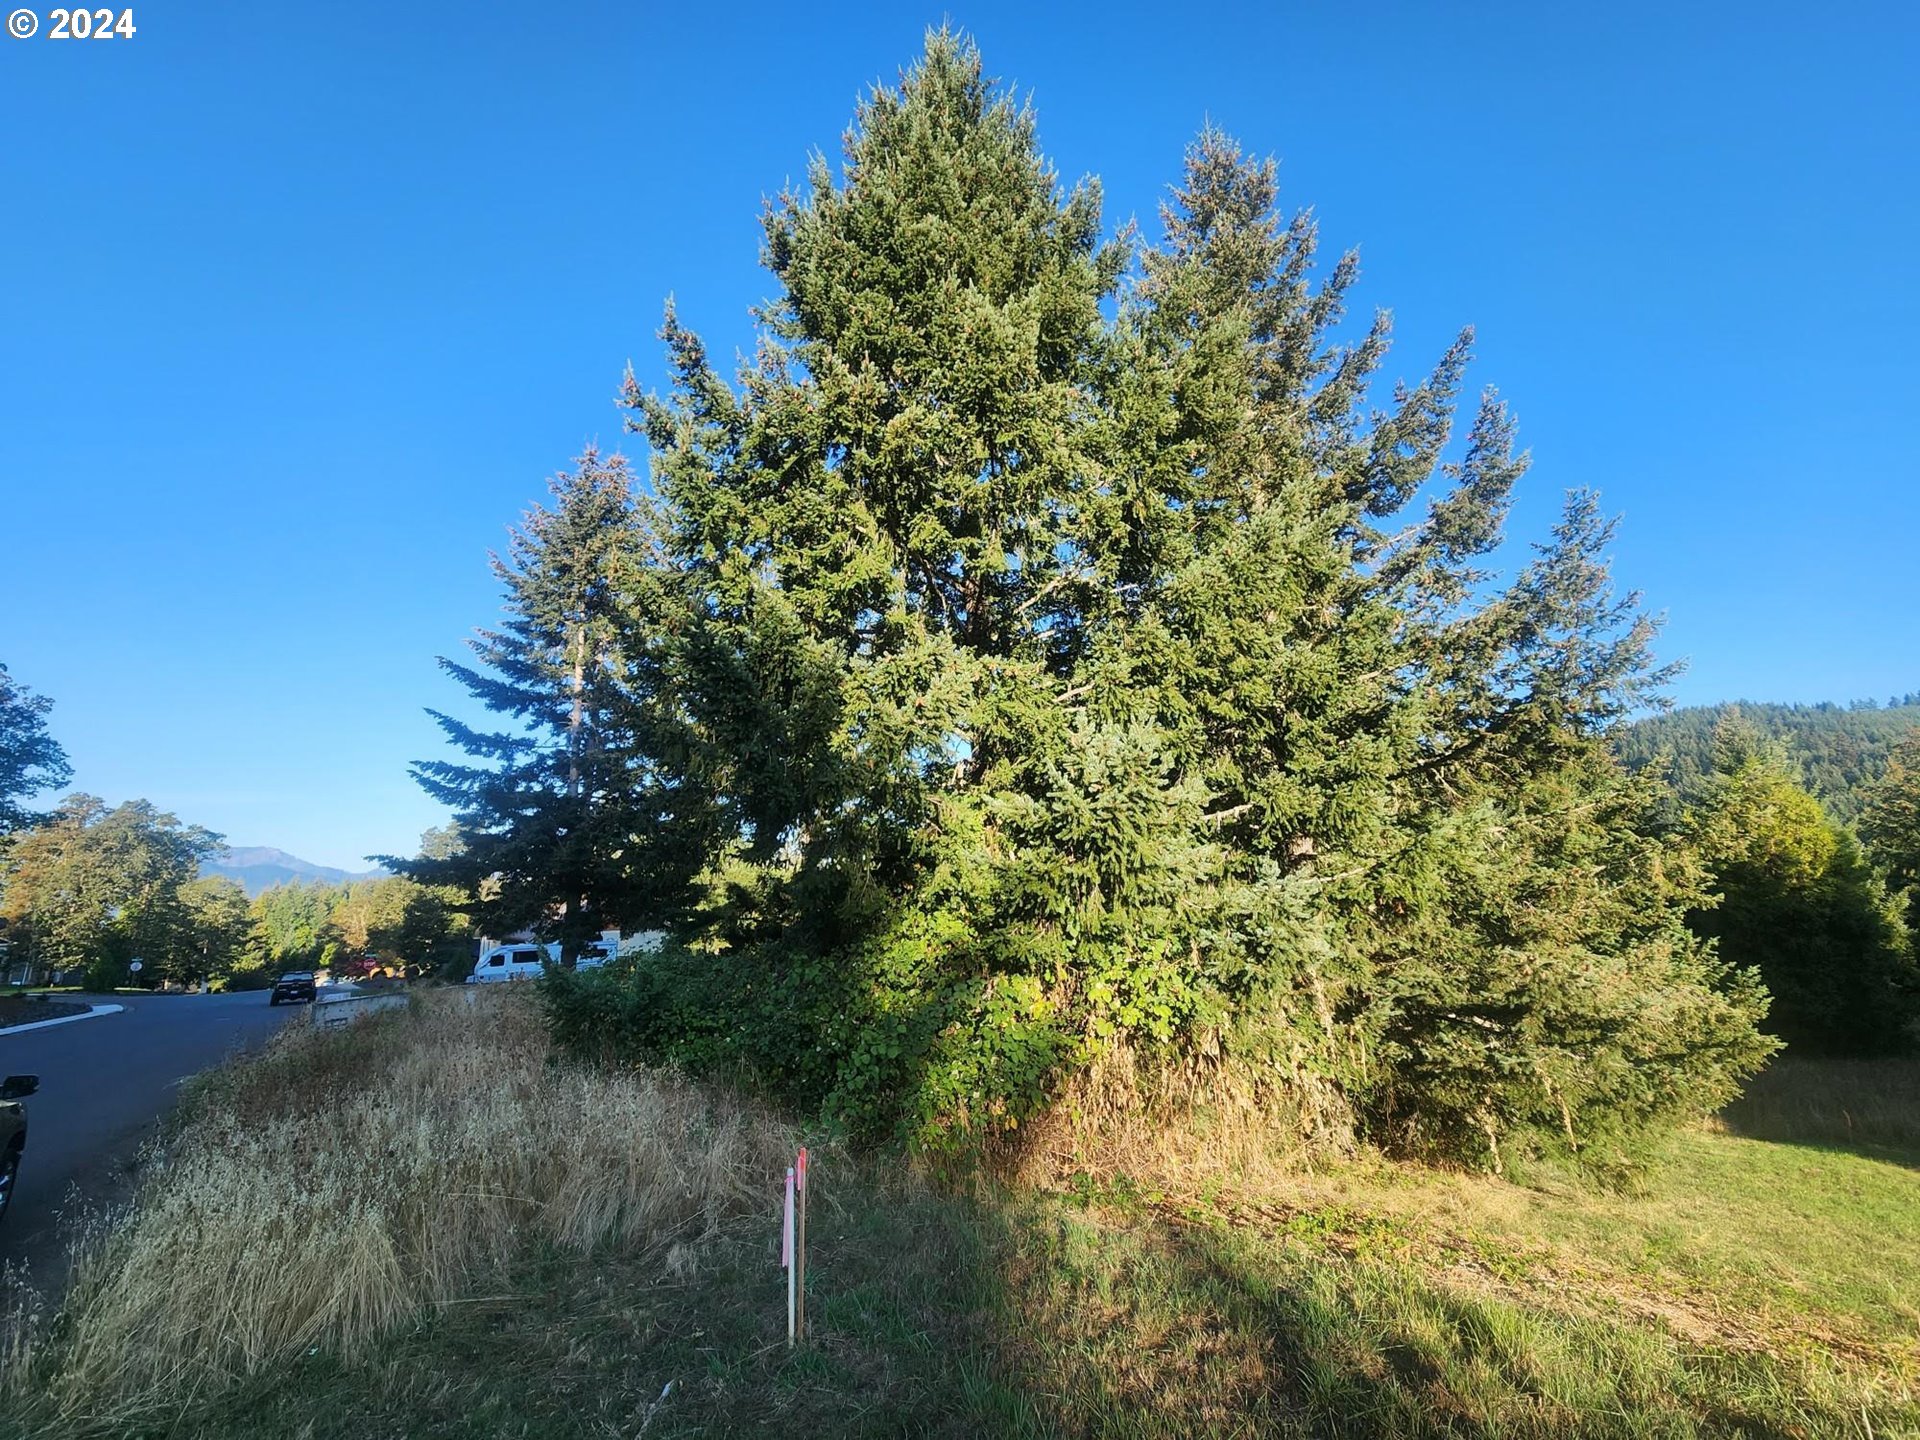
x=1046 y=658
x=1890 y=816
x=1794 y=898
x=546 y=810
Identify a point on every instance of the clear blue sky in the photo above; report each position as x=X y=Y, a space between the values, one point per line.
x=304 y=301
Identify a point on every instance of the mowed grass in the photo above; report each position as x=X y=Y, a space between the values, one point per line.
x=1868 y=1106
x=620 y=1279
x=1765 y=1242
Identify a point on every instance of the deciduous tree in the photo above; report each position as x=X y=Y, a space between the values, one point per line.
x=31 y=760
x=94 y=888
x=292 y=926
x=218 y=929
x=1798 y=903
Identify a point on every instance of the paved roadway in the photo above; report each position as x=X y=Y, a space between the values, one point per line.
x=103 y=1082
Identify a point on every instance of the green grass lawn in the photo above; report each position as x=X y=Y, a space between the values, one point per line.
x=1746 y=1287
x=1758 y=1237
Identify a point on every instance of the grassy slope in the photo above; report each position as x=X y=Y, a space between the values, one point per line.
x=1752 y=1288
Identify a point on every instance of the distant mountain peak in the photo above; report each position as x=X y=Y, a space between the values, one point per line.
x=261 y=867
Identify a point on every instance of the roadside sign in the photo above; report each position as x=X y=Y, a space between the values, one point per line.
x=136 y=966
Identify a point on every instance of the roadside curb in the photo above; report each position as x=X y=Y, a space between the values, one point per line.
x=63 y=1020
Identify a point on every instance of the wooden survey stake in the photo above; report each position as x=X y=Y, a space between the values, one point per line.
x=793 y=1248
x=800 y=1247
x=786 y=1260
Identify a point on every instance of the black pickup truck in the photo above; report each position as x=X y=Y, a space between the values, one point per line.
x=13 y=1131
x=294 y=985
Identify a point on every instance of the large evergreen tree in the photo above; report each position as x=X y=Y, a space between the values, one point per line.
x=1047 y=660
x=1890 y=815
x=1379 y=746
x=552 y=814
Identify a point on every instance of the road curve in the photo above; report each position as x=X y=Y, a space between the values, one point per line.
x=104 y=1081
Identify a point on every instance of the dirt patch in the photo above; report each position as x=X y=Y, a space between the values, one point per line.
x=26 y=1009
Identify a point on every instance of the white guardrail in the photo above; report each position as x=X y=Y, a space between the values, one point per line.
x=331 y=1011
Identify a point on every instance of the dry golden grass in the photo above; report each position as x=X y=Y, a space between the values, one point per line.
x=331 y=1188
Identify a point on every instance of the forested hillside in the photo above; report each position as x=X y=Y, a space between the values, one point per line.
x=1838 y=748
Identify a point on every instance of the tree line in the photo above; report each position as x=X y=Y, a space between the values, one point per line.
x=391 y=924
x=1046 y=674
x=87 y=889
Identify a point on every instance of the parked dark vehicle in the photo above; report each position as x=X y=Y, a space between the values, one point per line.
x=294 y=985
x=13 y=1132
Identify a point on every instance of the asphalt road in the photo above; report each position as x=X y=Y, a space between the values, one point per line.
x=104 y=1081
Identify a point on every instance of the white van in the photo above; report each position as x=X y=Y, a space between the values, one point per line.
x=523 y=961
x=595 y=955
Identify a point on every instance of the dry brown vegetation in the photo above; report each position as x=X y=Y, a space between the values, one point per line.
x=328 y=1190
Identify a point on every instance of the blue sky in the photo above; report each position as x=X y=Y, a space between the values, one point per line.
x=304 y=302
